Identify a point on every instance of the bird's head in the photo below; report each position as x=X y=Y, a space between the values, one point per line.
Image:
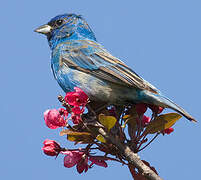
x=66 y=27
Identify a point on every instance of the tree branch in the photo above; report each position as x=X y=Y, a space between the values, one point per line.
x=130 y=156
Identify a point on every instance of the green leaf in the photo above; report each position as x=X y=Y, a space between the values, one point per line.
x=162 y=122
x=101 y=138
x=107 y=121
x=78 y=137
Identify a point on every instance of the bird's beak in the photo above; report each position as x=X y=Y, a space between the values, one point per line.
x=44 y=29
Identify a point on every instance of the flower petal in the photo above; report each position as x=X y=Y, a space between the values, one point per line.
x=98 y=161
x=72 y=158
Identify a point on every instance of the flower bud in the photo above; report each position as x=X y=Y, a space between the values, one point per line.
x=156 y=109
x=77 y=98
x=53 y=119
x=146 y=120
x=168 y=131
x=141 y=108
x=51 y=147
x=98 y=160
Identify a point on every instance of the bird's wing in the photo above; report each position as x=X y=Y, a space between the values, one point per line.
x=93 y=59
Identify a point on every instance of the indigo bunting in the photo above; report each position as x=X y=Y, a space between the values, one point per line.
x=78 y=60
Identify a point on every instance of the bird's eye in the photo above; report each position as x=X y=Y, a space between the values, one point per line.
x=59 y=22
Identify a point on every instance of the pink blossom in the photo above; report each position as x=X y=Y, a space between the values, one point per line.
x=78 y=158
x=82 y=165
x=168 y=131
x=160 y=110
x=141 y=108
x=77 y=98
x=53 y=119
x=51 y=147
x=156 y=109
x=146 y=120
x=63 y=112
x=76 y=118
x=72 y=158
x=98 y=160
x=77 y=110
x=82 y=95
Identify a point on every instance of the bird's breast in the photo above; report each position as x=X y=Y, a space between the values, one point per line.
x=96 y=88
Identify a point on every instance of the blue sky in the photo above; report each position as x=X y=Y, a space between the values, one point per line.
x=159 y=39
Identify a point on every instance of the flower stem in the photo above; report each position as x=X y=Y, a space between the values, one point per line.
x=149 y=142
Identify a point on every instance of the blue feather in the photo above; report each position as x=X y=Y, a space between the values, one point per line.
x=78 y=60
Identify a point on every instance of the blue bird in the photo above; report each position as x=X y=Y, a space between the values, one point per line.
x=78 y=60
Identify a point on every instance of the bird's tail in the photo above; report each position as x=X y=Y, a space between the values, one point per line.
x=163 y=101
